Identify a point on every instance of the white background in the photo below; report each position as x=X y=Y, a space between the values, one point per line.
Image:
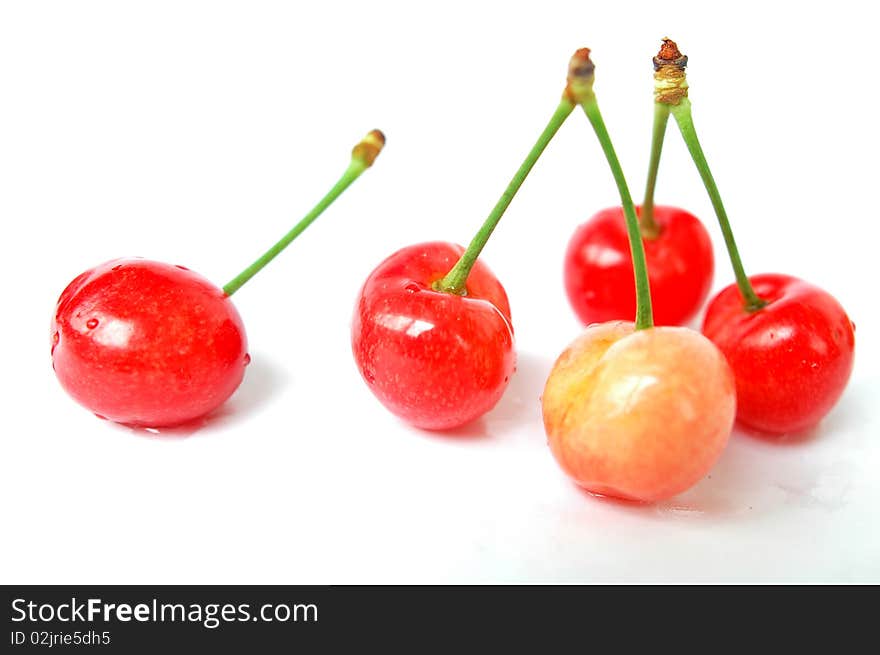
x=197 y=133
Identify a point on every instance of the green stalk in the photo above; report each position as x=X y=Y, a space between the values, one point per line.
x=644 y=312
x=362 y=157
x=456 y=280
x=682 y=114
x=671 y=91
x=650 y=229
x=581 y=90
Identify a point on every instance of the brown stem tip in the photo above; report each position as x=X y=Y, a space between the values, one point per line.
x=369 y=147
x=581 y=67
x=669 y=50
x=670 y=55
x=580 y=76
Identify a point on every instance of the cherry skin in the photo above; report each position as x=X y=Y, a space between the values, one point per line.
x=599 y=276
x=147 y=344
x=791 y=359
x=639 y=414
x=437 y=360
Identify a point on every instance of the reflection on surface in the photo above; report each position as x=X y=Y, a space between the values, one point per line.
x=411 y=326
x=626 y=390
x=107 y=331
x=781 y=334
x=605 y=257
x=113 y=332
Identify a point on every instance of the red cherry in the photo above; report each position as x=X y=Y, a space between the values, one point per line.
x=154 y=345
x=791 y=359
x=431 y=333
x=149 y=344
x=599 y=272
x=437 y=360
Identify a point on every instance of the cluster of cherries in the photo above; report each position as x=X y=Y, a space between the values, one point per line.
x=631 y=410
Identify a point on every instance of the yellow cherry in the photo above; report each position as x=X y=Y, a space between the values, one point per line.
x=639 y=414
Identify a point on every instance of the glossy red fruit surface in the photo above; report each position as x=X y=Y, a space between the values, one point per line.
x=599 y=276
x=148 y=344
x=436 y=360
x=791 y=359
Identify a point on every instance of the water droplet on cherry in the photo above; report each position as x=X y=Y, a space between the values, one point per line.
x=412 y=287
x=370 y=377
x=247 y=359
x=92 y=323
x=103 y=418
x=117 y=267
x=182 y=268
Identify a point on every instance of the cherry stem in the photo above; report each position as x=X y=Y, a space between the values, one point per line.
x=671 y=91
x=644 y=313
x=580 y=90
x=682 y=114
x=650 y=229
x=456 y=280
x=362 y=157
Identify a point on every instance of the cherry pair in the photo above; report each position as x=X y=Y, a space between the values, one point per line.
x=790 y=344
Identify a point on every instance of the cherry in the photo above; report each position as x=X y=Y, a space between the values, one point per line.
x=790 y=344
x=436 y=359
x=146 y=343
x=432 y=334
x=792 y=358
x=638 y=414
x=632 y=410
x=149 y=344
x=599 y=275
